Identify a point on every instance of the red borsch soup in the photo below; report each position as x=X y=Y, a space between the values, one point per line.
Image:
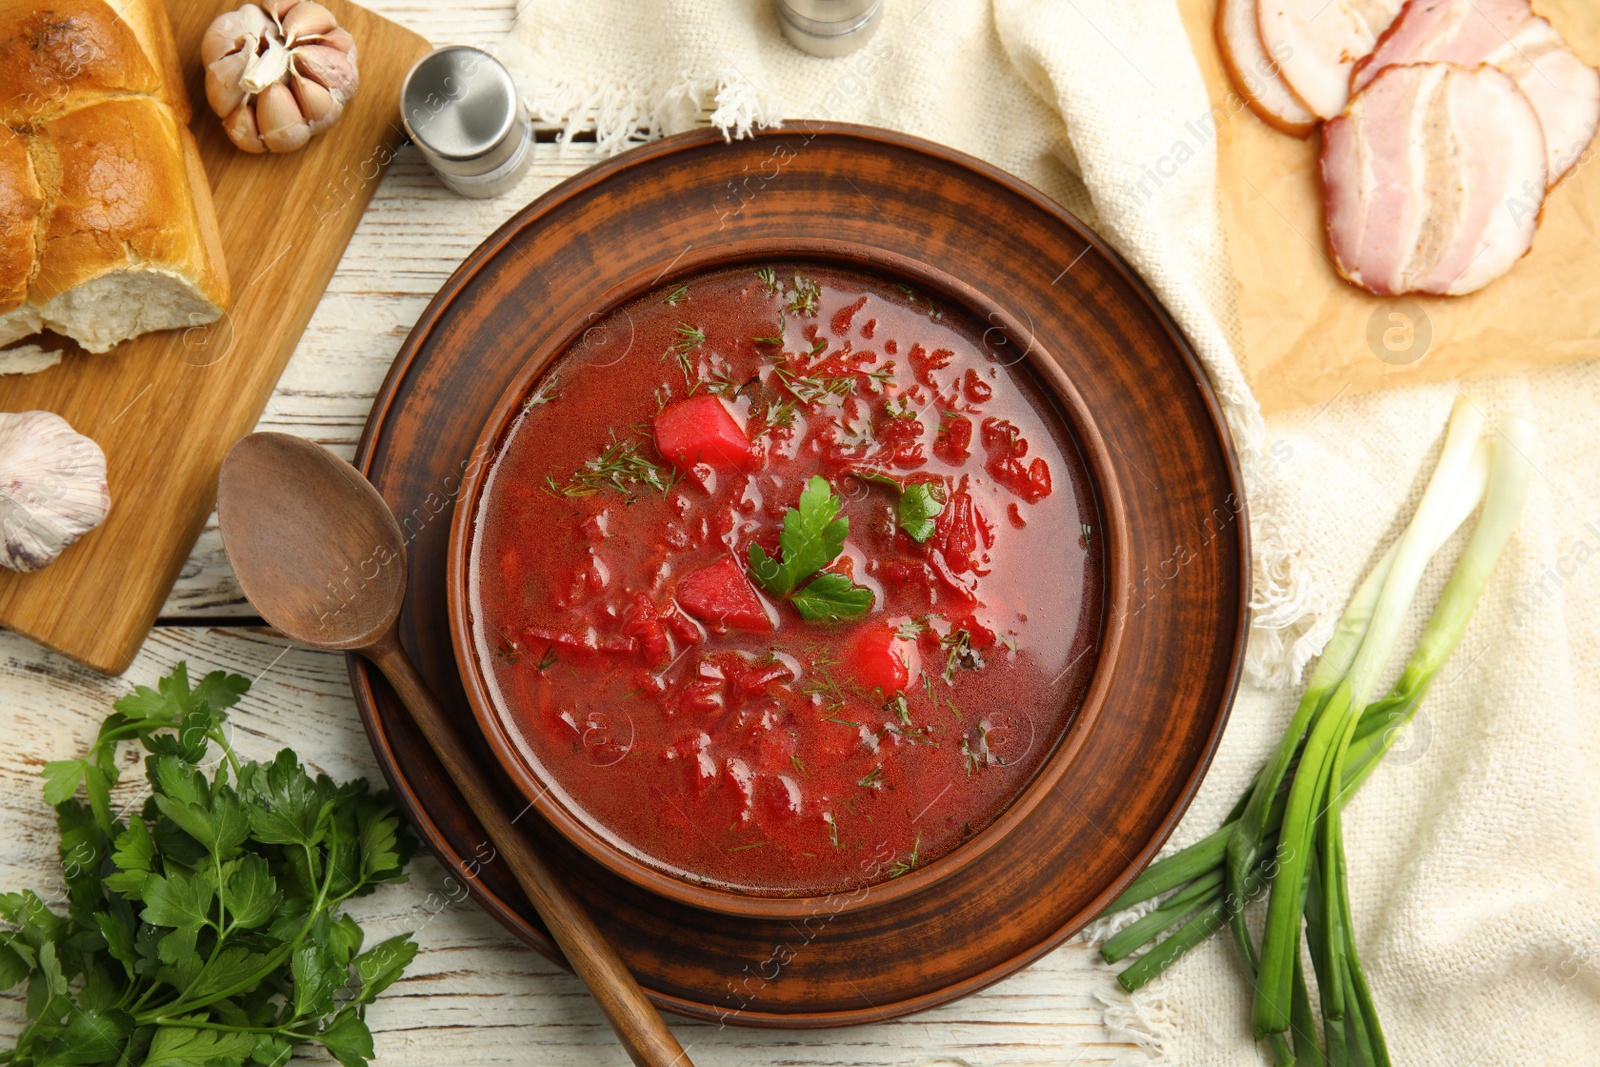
x=789 y=585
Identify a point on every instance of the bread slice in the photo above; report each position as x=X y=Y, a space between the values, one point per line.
x=107 y=229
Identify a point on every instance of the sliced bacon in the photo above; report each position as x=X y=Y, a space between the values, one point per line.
x=1506 y=34
x=1317 y=42
x=1433 y=179
x=1255 y=73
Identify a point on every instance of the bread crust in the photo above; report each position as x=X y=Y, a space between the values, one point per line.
x=99 y=173
x=59 y=54
x=21 y=205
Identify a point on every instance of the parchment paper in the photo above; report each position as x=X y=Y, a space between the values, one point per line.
x=1307 y=336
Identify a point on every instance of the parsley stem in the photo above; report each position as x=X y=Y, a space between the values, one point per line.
x=227 y=750
x=201 y=1024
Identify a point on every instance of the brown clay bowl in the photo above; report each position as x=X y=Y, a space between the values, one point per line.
x=1002 y=340
x=1181 y=640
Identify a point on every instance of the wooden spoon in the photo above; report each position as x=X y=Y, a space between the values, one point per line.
x=320 y=555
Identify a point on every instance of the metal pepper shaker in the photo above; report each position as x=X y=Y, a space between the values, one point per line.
x=461 y=109
x=828 y=27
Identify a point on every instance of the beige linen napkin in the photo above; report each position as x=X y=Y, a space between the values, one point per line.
x=1475 y=851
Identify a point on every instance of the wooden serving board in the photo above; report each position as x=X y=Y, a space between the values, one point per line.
x=165 y=407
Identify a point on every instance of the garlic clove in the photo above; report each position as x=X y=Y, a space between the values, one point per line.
x=52 y=488
x=240 y=126
x=307 y=19
x=266 y=68
x=340 y=39
x=233 y=31
x=223 y=91
x=320 y=107
x=328 y=67
x=283 y=127
x=278 y=9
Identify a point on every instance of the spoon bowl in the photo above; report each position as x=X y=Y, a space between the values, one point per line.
x=318 y=553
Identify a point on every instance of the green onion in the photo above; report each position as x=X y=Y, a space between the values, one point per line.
x=1286 y=827
x=1281 y=940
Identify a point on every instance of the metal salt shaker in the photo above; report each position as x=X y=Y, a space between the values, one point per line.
x=828 y=27
x=462 y=111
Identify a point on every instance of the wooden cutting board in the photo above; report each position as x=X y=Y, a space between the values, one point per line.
x=165 y=407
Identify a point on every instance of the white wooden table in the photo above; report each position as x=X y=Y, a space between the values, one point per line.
x=475 y=995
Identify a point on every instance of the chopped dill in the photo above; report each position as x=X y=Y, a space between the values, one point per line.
x=910 y=737
x=918 y=300
x=619 y=467
x=981 y=756
x=768 y=278
x=545 y=393
x=904 y=409
x=960 y=655
x=833 y=827
x=909 y=862
x=677 y=296
x=811 y=389
x=882 y=375
x=746 y=848
x=547 y=660
x=819 y=346
x=507 y=650
x=800 y=766
x=803 y=300
x=873 y=779
x=690 y=338
x=723 y=384
x=900 y=710
x=780 y=412
x=912 y=629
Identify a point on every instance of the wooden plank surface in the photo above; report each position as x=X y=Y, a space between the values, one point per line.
x=165 y=407
x=474 y=995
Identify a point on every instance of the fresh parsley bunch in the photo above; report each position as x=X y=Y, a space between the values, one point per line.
x=206 y=929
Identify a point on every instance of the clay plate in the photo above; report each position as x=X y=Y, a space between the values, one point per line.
x=1180 y=627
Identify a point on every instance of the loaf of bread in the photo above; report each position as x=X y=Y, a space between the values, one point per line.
x=107 y=229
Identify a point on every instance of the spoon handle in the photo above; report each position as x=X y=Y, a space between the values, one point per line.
x=638 y=1025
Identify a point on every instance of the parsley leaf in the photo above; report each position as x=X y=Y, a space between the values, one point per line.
x=183 y=1045
x=813 y=536
x=920 y=502
x=918 y=508
x=832 y=597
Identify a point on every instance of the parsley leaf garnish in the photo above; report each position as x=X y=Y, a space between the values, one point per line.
x=917 y=510
x=813 y=536
x=831 y=597
x=920 y=502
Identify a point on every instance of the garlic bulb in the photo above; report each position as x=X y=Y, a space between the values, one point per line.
x=278 y=72
x=52 y=488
